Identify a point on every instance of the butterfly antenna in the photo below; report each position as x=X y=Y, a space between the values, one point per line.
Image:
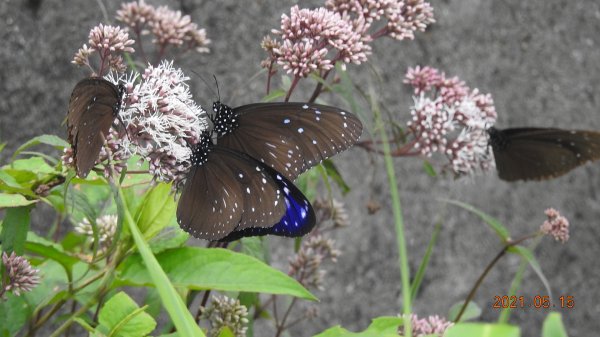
x=217 y=84
x=209 y=86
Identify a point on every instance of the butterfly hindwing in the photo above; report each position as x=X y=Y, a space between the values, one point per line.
x=289 y=137
x=225 y=192
x=298 y=220
x=93 y=107
x=541 y=153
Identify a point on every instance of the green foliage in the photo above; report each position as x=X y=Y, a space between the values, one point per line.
x=482 y=330
x=553 y=326
x=216 y=269
x=380 y=327
x=122 y=317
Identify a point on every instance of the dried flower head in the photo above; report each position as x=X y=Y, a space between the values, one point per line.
x=556 y=225
x=226 y=312
x=19 y=276
x=163 y=121
x=109 y=42
x=432 y=325
x=450 y=118
x=106 y=226
x=305 y=265
x=332 y=210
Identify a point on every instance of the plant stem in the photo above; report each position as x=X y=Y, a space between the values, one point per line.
x=398 y=220
x=487 y=269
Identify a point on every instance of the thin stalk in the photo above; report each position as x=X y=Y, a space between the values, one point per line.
x=398 y=220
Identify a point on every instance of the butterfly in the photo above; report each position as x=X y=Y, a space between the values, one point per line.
x=541 y=153
x=241 y=186
x=94 y=105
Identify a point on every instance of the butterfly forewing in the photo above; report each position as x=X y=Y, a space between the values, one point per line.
x=540 y=153
x=93 y=107
x=228 y=191
x=291 y=137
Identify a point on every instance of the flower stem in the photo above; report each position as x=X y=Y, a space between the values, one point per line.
x=398 y=220
x=292 y=87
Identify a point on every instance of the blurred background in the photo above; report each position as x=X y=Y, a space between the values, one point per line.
x=540 y=61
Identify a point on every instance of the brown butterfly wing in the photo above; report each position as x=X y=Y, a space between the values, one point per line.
x=228 y=192
x=542 y=153
x=292 y=137
x=93 y=107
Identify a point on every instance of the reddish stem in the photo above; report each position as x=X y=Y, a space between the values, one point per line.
x=292 y=87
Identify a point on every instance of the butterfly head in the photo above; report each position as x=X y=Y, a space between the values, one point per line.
x=225 y=120
x=498 y=140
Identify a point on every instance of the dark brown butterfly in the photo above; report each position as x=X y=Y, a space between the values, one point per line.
x=242 y=186
x=541 y=153
x=94 y=104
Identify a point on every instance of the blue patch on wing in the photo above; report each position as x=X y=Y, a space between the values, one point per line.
x=299 y=217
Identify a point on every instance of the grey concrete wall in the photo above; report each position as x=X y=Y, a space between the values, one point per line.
x=539 y=59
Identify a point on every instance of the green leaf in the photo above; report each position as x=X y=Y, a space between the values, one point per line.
x=226 y=332
x=254 y=246
x=380 y=327
x=495 y=224
x=53 y=253
x=471 y=312
x=14 y=200
x=168 y=238
x=482 y=330
x=174 y=305
x=156 y=211
x=9 y=183
x=429 y=169
x=51 y=140
x=553 y=326
x=273 y=95
x=33 y=164
x=416 y=283
x=216 y=269
x=14 y=312
x=14 y=229
x=334 y=174
x=122 y=317
x=535 y=265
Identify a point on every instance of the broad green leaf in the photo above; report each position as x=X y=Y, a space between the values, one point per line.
x=14 y=200
x=253 y=246
x=496 y=225
x=473 y=311
x=51 y=140
x=553 y=326
x=482 y=330
x=535 y=265
x=157 y=210
x=14 y=313
x=14 y=229
x=33 y=164
x=226 y=332
x=168 y=238
x=380 y=327
x=216 y=269
x=17 y=182
x=334 y=174
x=122 y=317
x=52 y=287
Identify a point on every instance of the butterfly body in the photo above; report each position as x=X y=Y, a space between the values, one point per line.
x=541 y=153
x=94 y=105
x=241 y=186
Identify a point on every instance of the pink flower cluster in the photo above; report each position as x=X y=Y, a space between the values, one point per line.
x=556 y=225
x=314 y=40
x=168 y=27
x=450 y=118
x=109 y=42
x=19 y=276
x=432 y=325
x=402 y=18
x=162 y=120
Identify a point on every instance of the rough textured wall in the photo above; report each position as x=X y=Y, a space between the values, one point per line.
x=539 y=59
